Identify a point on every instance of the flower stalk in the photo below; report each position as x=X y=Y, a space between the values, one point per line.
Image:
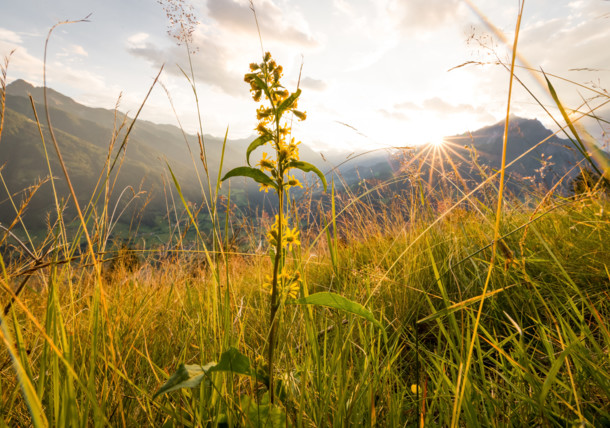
x=271 y=172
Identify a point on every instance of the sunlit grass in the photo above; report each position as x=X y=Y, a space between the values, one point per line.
x=494 y=309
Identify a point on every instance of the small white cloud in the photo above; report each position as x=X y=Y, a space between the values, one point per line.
x=393 y=114
x=9 y=36
x=78 y=50
x=407 y=105
x=71 y=51
x=138 y=40
x=314 y=84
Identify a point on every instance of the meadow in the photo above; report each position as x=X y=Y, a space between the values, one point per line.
x=436 y=307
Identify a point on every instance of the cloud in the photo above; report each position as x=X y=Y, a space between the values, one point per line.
x=417 y=16
x=407 y=105
x=10 y=36
x=79 y=50
x=580 y=45
x=313 y=84
x=211 y=62
x=226 y=39
x=393 y=114
x=73 y=50
x=441 y=108
x=237 y=16
x=138 y=40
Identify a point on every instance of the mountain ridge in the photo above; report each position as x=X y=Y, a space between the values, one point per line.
x=84 y=134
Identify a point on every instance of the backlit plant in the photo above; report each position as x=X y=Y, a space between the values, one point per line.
x=273 y=172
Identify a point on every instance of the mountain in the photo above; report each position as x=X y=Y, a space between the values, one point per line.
x=84 y=135
x=540 y=158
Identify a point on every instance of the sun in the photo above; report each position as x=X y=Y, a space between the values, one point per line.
x=437 y=142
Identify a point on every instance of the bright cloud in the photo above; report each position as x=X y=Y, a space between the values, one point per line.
x=237 y=15
x=314 y=84
x=9 y=36
x=138 y=40
x=425 y=16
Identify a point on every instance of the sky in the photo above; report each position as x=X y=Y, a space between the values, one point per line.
x=374 y=74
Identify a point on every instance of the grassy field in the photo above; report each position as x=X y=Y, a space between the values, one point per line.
x=540 y=356
x=434 y=308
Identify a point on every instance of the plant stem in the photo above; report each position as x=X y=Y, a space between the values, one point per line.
x=276 y=263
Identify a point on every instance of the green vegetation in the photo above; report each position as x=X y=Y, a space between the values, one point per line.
x=433 y=307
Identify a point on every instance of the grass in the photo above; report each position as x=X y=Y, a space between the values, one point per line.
x=541 y=353
x=493 y=311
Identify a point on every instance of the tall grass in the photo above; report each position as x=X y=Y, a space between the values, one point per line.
x=494 y=312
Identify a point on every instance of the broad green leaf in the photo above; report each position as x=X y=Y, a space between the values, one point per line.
x=263 y=414
x=288 y=102
x=232 y=361
x=307 y=167
x=187 y=376
x=191 y=375
x=254 y=173
x=336 y=301
x=260 y=141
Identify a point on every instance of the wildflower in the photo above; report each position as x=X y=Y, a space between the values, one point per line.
x=293 y=182
x=292 y=290
x=266 y=163
x=273 y=232
x=263 y=113
x=265 y=187
x=261 y=129
x=291 y=237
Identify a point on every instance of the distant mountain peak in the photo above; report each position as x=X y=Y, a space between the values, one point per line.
x=19 y=85
x=23 y=88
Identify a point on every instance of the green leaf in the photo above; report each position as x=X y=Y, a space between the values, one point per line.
x=187 y=376
x=263 y=414
x=307 y=167
x=336 y=301
x=288 y=102
x=254 y=173
x=191 y=375
x=232 y=361
x=260 y=141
